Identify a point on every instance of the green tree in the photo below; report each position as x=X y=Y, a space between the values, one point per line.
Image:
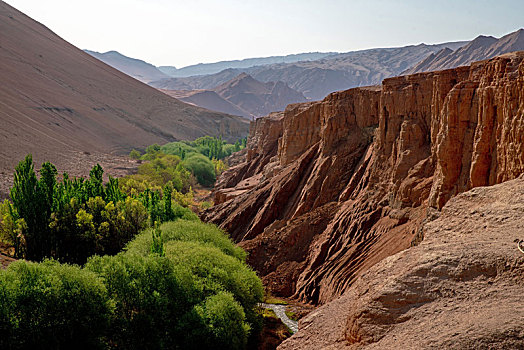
x=30 y=204
x=134 y=154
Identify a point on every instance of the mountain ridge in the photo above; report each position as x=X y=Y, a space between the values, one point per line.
x=481 y=48
x=138 y=69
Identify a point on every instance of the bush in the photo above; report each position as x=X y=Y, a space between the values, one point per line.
x=134 y=154
x=224 y=321
x=150 y=296
x=202 y=168
x=52 y=306
x=214 y=271
x=189 y=231
x=223 y=290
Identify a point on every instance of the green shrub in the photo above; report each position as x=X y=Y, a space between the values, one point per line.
x=224 y=321
x=150 y=296
x=134 y=154
x=202 y=168
x=52 y=306
x=188 y=231
x=180 y=149
x=214 y=271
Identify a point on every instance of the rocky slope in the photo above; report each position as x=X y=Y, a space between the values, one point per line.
x=331 y=188
x=461 y=288
x=481 y=48
x=138 y=69
x=63 y=105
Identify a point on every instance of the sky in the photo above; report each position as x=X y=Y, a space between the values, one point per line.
x=180 y=33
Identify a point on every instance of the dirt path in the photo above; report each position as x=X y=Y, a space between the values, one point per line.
x=280 y=311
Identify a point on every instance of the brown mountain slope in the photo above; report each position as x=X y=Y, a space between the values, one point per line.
x=461 y=288
x=207 y=99
x=138 y=69
x=481 y=48
x=331 y=188
x=242 y=96
x=57 y=101
x=259 y=99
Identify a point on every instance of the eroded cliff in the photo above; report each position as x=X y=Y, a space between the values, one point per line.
x=331 y=188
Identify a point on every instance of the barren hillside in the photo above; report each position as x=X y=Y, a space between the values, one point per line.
x=63 y=105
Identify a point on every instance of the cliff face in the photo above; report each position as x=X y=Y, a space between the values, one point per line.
x=331 y=188
x=461 y=288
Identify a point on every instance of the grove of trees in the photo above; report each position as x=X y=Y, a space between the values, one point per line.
x=122 y=264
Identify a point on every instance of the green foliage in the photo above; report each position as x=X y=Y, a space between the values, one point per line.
x=222 y=290
x=52 y=306
x=203 y=158
x=161 y=170
x=188 y=231
x=211 y=147
x=134 y=154
x=202 y=168
x=30 y=203
x=12 y=228
x=76 y=218
x=224 y=321
x=157 y=242
x=149 y=295
x=199 y=295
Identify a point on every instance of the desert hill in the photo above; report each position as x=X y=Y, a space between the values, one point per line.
x=259 y=99
x=63 y=105
x=481 y=48
x=329 y=190
x=461 y=287
x=201 y=82
x=138 y=69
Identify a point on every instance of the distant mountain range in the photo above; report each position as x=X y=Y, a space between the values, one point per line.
x=315 y=79
x=242 y=96
x=481 y=48
x=212 y=68
x=315 y=75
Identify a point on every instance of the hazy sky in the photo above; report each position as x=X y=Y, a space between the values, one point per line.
x=181 y=33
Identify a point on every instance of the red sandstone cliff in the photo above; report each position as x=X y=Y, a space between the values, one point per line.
x=331 y=188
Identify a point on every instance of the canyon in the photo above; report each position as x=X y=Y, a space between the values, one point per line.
x=329 y=189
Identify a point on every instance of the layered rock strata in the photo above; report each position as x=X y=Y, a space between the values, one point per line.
x=331 y=188
x=461 y=288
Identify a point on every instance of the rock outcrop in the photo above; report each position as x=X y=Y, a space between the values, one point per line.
x=461 y=288
x=331 y=188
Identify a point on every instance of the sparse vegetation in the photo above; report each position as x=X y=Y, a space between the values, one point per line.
x=291 y=315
